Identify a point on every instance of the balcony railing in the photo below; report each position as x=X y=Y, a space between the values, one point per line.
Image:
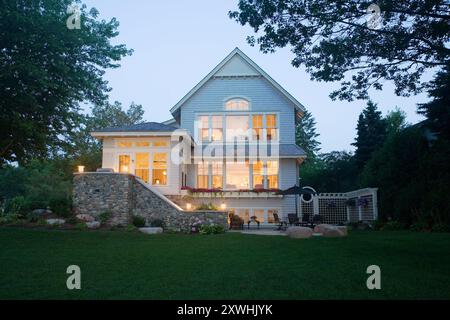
x=240 y=193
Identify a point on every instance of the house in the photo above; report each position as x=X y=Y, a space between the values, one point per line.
x=231 y=143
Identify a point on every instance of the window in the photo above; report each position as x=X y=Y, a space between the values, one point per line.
x=244 y=214
x=237 y=105
x=203 y=128
x=257 y=126
x=141 y=144
x=217 y=128
x=272 y=174
x=124 y=144
x=159 y=172
x=160 y=144
x=217 y=175
x=271 y=127
x=237 y=175
x=259 y=214
x=202 y=175
x=142 y=163
x=124 y=163
x=270 y=215
x=237 y=127
x=258 y=175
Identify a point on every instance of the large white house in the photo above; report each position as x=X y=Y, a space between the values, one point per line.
x=231 y=142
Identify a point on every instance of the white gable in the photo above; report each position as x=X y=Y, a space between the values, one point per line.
x=237 y=66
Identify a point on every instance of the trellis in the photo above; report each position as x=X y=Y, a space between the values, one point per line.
x=337 y=208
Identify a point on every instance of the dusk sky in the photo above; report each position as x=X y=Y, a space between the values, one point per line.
x=176 y=43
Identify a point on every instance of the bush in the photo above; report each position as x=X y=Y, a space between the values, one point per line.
x=17 y=206
x=130 y=228
x=418 y=226
x=81 y=226
x=157 y=223
x=72 y=220
x=377 y=225
x=8 y=218
x=61 y=206
x=441 y=228
x=211 y=229
x=105 y=216
x=138 y=221
x=394 y=225
x=33 y=216
x=207 y=206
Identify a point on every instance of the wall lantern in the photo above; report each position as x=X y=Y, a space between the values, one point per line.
x=80 y=169
x=223 y=206
x=188 y=206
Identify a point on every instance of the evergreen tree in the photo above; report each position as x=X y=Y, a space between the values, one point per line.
x=305 y=136
x=371 y=132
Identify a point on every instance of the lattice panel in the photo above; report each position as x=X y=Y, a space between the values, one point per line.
x=333 y=210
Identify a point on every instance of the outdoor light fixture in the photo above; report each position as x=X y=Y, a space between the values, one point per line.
x=80 y=169
x=164 y=172
x=188 y=206
x=223 y=206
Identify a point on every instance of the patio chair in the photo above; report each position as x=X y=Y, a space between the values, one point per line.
x=293 y=219
x=236 y=222
x=281 y=225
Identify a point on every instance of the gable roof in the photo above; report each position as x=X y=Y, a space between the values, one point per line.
x=145 y=126
x=252 y=69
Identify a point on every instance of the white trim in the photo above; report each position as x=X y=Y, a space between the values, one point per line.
x=237 y=51
x=131 y=133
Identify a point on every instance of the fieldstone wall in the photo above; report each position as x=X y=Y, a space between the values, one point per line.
x=124 y=196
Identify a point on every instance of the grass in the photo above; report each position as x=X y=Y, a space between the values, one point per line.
x=121 y=265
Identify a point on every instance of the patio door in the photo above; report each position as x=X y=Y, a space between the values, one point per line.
x=142 y=166
x=124 y=163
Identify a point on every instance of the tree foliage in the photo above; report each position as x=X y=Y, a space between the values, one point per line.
x=46 y=71
x=306 y=135
x=333 y=41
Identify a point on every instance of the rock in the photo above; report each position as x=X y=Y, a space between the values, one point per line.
x=93 y=224
x=320 y=228
x=333 y=233
x=343 y=229
x=151 y=230
x=299 y=232
x=85 y=217
x=55 y=221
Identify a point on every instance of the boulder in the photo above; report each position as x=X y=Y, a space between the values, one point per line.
x=333 y=233
x=299 y=232
x=85 y=217
x=55 y=221
x=151 y=230
x=93 y=224
x=320 y=228
x=343 y=229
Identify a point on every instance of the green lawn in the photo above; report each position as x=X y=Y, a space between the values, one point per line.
x=125 y=265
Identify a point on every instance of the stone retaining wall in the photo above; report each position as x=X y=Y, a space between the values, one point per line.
x=124 y=195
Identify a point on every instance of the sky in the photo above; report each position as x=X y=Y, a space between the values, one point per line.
x=176 y=43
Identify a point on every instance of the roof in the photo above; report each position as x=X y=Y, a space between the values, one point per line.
x=140 y=127
x=284 y=150
x=237 y=51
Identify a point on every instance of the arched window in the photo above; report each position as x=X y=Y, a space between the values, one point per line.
x=237 y=105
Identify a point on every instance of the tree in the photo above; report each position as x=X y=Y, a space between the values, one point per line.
x=305 y=135
x=371 y=132
x=437 y=111
x=336 y=40
x=46 y=71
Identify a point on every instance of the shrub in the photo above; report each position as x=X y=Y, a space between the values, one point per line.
x=81 y=226
x=377 y=225
x=17 y=206
x=441 y=228
x=33 y=216
x=138 y=221
x=207 y=206
x=157 y=223
x=418 y=226
x=9 y=218
x=105 y=216
x=394 y=225
x=72 y=220
x=61 y=206
x=211 y=229
x=130 y=228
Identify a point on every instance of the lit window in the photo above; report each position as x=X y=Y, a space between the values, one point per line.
x=271 y=127
x=160 y=144
x=142 y=163
x=272 y=174
x=124 y=144
x=237 y=127
x=244 y=214
x=124 y=163
x=237 y=105
x=217 y=128
x=271 y=215
x=159 y=172
x=203 y=128
x=202 y=175
x=142 y=144
x=258 y=175
x=259 y=214
x=237 y=175
x=217 y=175
x=257 y=124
